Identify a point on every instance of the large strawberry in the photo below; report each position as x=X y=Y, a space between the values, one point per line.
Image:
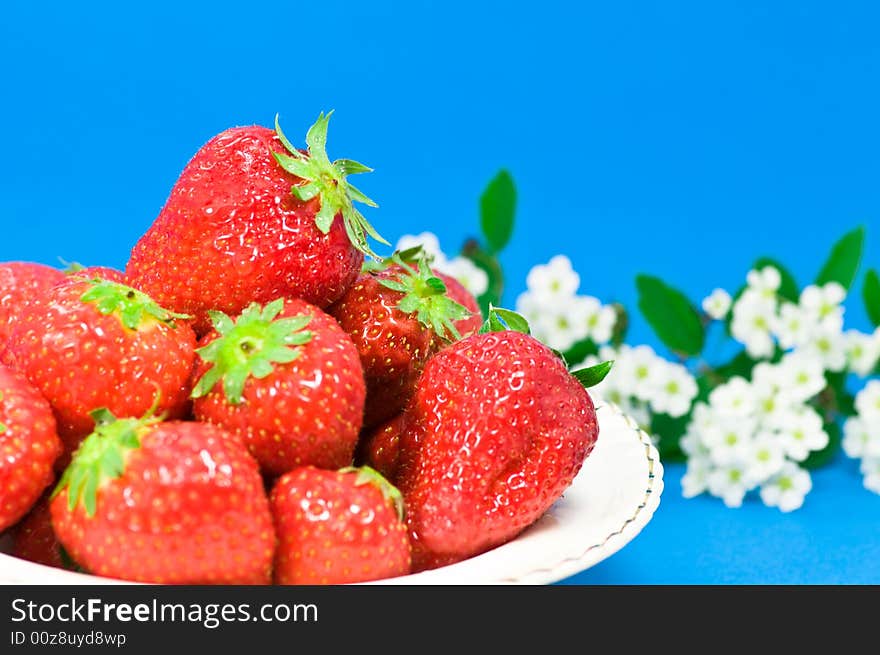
x=35 y=540
x=91 y=344
x=29 y=446
x=170 y=503
x=496 y=431
x=253 y=219
x=287 y=379
x=338 y=527
x=20 y=283
x=397 y=317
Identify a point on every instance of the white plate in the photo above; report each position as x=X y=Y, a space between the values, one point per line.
x=612 y=498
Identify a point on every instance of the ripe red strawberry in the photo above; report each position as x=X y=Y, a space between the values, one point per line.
x=288 y=380
x=496 y=431
x=96 y=272
x=380 y=447
x=456 y=291
x=397 y=317
x=169 y=503
x=21 y=282
x=29 y=446
x=35 y=540
x=91 y=344
x=252 y=219
x=338 y=527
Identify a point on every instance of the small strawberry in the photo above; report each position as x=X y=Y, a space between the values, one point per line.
x=338 y=527
x=91 y=344
x=35 y=540
x=379 y=448
x=170 y=503
x=397 y=317
x=287 y=379
x=20 y=283
x=496 y=431
x=252 y=219
x=29 y=446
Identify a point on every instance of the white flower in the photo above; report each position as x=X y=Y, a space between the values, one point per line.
x=733 y=398
x=558 y=326
x=753 y=316
x=696 y=478
x=862 y=351
x=554 y=280
x=829 y=347
x=792 y=326
x=729 y=484
x=691 y=444
x=801 y=375
x=772 y=400
x=472 y=277
x=766 y=458
x=823 y=305
x=765 y=281
x=786 y=490
x=717 y=304
x=596 y=320
x=871 y=470
x=801 y=432
x=674 y=390
x=730 y=441
x=860 y=438
x=868 y=402
x=528 y=305
x=639 y=371
x=429 y=243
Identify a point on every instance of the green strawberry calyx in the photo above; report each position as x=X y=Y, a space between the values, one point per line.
x=502 y=320
x=328 y=181
x=101 y=456
x=368 y=475
x=424 y=294
x=134 y=308
x=249 y=347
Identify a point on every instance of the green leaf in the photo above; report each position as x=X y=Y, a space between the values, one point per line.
x=590 y=377
x=673 y=317
x=871 y=296
x=621 y=325
x=820 y=458
x=788 y=286
x=740 y=366
x=669 y=432
x=502 y=320
x=581 y=350
x=492 y=267
x=843 y=262
x=497 y=210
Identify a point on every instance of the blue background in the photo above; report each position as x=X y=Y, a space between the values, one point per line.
x=678 y=138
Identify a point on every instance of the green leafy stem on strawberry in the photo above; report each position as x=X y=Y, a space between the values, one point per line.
x=424 y=295
x=132 y=306
x=328 y=181
x=101 y=456
x=501 y=320
x=368 y=475
x=249 y=347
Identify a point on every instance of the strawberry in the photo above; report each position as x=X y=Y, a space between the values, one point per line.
x=338 y=527
x=287 y=379
x=96 y=272
x=29 y=446
x=455 y=290
x=253 y=219
x=496 y=431
x=20 y=282
x=35 y=540
x=91 y=344
x=380 y=447
x=397 y=317
x=170 y=503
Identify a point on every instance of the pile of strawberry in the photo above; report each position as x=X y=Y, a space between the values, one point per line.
x=252 y=402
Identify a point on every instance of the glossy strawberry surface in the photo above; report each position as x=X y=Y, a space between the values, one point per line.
x=20 y=283
x=188 y=508
x=231 y=233
x=305 y=411
x=495 y=433
x=333 y=530
x=29 y=446
x=81 y=359
x=379 y=447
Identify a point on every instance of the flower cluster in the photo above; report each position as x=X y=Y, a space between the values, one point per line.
x=644 y=383
x=558 y=316
x=472 y=278
x=862 y=434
